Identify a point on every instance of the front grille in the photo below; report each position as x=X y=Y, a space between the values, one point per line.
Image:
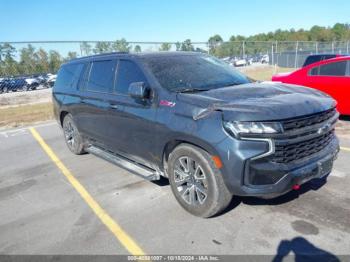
x=291 y=152
x=293 y=124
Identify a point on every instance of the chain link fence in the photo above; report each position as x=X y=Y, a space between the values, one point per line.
x=30 y=58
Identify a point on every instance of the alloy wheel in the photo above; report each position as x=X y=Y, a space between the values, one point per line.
x=190 y=180
x=70 y=133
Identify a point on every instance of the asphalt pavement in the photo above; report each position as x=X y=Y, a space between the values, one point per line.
x=43 y=209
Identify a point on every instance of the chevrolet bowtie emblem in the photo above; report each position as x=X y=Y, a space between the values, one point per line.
x=323 y=129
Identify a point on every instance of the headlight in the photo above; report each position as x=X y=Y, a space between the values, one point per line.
x=237 y=128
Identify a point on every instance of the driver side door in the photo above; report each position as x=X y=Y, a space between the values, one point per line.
x=130 y=120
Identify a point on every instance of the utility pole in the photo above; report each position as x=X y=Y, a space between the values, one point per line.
x=296 y=54
x=243 y=47
x=272 y=60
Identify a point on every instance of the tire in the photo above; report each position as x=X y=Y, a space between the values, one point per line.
x=72 y=136
x=196 y=182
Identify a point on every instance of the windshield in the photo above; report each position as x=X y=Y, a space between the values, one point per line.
x=193 y=72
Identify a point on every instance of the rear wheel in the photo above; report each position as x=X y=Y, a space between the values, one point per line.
x=72 y=136
x=196 y=182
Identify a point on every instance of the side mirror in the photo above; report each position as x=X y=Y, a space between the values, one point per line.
x=138 y=90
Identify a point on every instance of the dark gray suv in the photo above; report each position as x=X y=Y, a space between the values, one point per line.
x=210 y=130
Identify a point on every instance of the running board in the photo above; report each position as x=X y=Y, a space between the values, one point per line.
x=133 y=167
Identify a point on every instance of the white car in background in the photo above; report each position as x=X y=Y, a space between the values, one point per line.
x=241 y=62
x=265 y=59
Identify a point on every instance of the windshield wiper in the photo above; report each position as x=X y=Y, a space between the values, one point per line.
x=191 y=90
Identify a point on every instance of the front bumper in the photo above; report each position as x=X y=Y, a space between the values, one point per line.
x=238 y=175
x=317 y=166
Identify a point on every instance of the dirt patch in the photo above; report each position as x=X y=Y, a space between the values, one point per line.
x=263 y=72
x=25 y=98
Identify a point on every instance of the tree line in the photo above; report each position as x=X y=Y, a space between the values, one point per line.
x=221 y=48
x=31 y=60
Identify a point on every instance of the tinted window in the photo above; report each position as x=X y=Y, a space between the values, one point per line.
x=68 y=76
x=314 y=71
x=332 y=69
x=128 y=72
x=180 y=72
x=101 y=76
x=316 y=58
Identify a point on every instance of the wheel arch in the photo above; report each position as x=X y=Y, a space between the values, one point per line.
x=171 y=144
x=63 y=113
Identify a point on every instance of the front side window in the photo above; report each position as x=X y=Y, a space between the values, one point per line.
x=331 y=69
x=198 y=72
x=128 y=72
x=101 y=76
x=68 y=76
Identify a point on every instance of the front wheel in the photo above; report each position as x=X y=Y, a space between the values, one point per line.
x=196 y=182
x=72 y=137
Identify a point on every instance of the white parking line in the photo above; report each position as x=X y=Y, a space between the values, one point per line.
x=24 y=130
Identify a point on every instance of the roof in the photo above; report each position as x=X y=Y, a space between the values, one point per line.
x=127 y=54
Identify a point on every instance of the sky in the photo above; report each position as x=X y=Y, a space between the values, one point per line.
x=160 y=20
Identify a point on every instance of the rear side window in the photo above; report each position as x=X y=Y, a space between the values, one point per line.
x=128 y=72
x=331 y=69
x=101 y=76
x=316 y=58
x=68 y=77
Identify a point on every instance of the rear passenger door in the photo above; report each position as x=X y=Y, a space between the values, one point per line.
x=131 y=120
x=96 y=87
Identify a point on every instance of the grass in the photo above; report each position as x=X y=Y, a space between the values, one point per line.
x=264 y=73
x=25 y=114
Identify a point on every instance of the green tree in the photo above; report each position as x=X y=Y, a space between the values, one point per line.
x=72 y=55
x=27 y=60
x=85 y=48
x=102 y=47
x=187 y=45
x=6 y=51
x=121 y=46
x=42 y=61
x=8 y=65
x=340 y=31
x=137 y=49
x=55 y=61
x=165 y=47
x=178 y=46
x=214 y=42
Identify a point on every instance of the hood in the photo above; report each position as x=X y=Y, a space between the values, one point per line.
x=256 y=102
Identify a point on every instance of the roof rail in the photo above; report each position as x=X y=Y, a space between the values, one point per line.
x=102 y=54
